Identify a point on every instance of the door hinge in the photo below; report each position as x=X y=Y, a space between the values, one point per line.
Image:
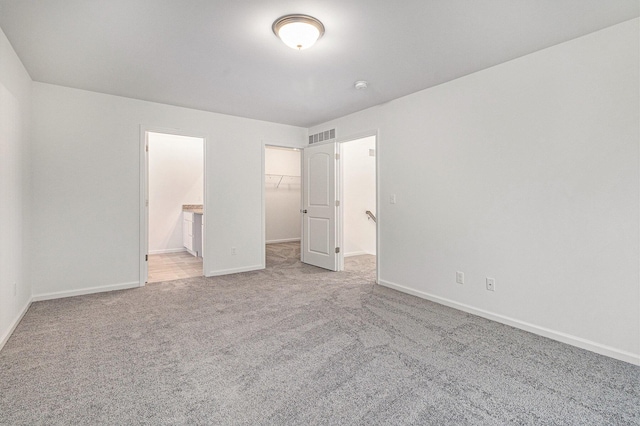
x=337 y=156
x=337 y=249
x=146 y=203
x=146 y=257
x=146 y=148
x=337 y=203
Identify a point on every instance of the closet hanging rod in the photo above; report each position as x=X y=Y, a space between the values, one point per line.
x=281 y=177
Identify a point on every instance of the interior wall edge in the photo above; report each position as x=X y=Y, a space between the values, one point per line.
x=15 y=189
x=558 y=336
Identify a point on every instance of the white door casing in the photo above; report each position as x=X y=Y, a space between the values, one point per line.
x=319 y=233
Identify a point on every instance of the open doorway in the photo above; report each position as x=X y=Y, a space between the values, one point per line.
x=358 y=202
x=282 y=192
x=339 y=205
x=174 y=206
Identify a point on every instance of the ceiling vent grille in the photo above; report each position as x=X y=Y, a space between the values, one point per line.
x=325 y=136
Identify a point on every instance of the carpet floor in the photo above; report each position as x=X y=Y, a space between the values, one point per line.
x=294 y=344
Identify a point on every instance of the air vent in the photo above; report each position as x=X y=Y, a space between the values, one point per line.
x=325 y=136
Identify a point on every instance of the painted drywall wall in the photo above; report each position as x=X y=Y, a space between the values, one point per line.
x=359 y=195
x=282 y=194
x=86 y=187
x=176 y=177
x=526 y=172
x=15 y=121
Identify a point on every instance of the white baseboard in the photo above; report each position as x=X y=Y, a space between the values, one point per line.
x=165 y=251
x=234 y=270
x=355 y=253
x=83 y=291
x=14 y=324
x=532 y=328
x=286 y=240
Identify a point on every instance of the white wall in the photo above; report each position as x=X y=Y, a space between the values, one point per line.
x=359 y=195
x=15 y=121
x=176 y=177
x=282 y=202
x=526 y=172
x=86 y=187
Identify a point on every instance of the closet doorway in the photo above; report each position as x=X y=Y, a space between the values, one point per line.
x=282 y=195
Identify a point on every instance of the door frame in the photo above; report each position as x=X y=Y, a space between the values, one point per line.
x=265 y=145
x=144 y=192
x=340 y=189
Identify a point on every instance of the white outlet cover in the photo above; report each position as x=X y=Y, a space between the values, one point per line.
x=392 y=199
x=491 y=284
x=460 y=277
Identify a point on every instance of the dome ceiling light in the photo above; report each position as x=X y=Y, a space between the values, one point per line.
x=298 y=31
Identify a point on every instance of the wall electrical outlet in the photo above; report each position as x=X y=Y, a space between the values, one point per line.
x=392 y=199
x=491 y=284
x=234 y=251
x=460 y=277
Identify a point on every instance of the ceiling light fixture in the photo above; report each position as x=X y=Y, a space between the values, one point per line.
x=298 y=31
x=361 y=84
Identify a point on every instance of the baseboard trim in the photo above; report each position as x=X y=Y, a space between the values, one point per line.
x=165 y=251
x=286 y=240
x=532 y=328
x=355 y=253
x=5 y=338
x=83 y=291
x=234 y=270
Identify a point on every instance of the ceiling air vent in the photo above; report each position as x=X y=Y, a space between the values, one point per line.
x=325 y=136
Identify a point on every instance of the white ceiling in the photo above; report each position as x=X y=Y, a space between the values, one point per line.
x=222 y=56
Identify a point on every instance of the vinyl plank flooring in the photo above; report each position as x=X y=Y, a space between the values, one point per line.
x=173 y=266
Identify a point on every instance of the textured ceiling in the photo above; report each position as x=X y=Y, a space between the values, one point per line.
x=222 y=56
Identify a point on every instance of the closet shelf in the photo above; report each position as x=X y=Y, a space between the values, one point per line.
x=280 y=177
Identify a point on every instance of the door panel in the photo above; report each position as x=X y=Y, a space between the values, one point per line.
x=319 y=169
x=319 y=207
x=319 y=232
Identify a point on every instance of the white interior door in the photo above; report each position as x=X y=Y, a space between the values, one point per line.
x=319 y=197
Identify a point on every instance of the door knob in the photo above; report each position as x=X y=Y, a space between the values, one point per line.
x=303 y=211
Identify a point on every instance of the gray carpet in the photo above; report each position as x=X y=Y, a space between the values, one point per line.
x=296 y=345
